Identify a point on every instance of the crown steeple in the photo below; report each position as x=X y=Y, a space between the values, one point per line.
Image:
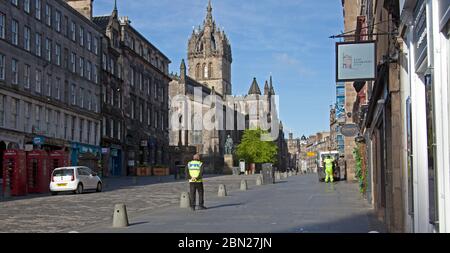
x=209 y=55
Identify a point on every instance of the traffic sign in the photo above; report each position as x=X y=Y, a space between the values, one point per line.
x=311 y=154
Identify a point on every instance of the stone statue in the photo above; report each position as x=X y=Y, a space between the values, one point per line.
x=229 y=146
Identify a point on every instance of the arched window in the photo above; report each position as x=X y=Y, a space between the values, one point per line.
x=210 y=71
x=205 y=71
x=196 y=133
x=197 y=71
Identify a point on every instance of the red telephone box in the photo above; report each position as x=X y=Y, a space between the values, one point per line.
x=38 y=171
x=58 y=159
x=15 y=172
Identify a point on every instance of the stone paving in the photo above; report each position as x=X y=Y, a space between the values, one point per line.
x=65 y=213
x=298 y=204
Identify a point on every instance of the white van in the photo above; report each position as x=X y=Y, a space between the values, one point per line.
x=321 y=170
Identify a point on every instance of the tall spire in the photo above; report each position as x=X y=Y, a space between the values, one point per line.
x=272 y=90
x=266 y=88
x=183 y=70
x=254 y=88
x=209 y=17
x=115 y=8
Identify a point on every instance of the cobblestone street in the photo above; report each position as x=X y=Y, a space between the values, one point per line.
x=64 y=213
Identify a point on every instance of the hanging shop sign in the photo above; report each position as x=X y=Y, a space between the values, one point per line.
x=356 y=61
x=350 y=130
x=38 y=140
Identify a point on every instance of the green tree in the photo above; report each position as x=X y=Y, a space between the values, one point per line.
x=254 y=150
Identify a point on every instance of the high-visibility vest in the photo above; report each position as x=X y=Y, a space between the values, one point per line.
x=329 y=163
x=194 y=171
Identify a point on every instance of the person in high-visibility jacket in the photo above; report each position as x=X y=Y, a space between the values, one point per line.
x=329 y=169
x=195 y=176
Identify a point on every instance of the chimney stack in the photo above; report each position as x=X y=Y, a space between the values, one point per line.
x=85 y=7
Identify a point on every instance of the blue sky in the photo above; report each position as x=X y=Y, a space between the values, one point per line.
x=285 y=38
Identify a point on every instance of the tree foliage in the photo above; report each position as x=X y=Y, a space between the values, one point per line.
x=254 y=150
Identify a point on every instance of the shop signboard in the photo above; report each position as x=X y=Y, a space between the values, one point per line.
x=356 y=61
x=38 y=140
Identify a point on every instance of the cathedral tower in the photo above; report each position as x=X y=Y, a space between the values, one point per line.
x=209 y=56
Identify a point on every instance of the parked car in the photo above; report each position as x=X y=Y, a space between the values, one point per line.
x=74 y=179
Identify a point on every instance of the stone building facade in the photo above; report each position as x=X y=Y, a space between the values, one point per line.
x=135 y=80
x=351 y=9
x=49 y=76
x=113 y=87
x=293 y=152
x=146 y=71
x=209 y=72
x=320 y=142
x=405 y=125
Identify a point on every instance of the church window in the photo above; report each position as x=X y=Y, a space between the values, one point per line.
x=197 y=71
x=210 y=72
x=213 y=43
x=205 y=71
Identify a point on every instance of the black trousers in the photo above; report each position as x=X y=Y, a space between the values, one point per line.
x=196 y=187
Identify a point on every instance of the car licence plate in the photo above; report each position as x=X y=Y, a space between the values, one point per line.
x=62 y=184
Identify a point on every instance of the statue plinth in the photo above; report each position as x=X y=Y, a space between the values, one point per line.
x=228 y=164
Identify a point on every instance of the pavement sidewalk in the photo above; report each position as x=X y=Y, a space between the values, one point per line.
x=298 y=204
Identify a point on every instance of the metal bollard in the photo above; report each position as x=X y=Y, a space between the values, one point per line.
x=120 y=218
x=185 y=200
x=134 y=180
x=222 y=191
x=244 y=185
x=259 y=181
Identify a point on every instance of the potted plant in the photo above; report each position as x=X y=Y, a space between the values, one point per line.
x=143 y=170
x=160 y=170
